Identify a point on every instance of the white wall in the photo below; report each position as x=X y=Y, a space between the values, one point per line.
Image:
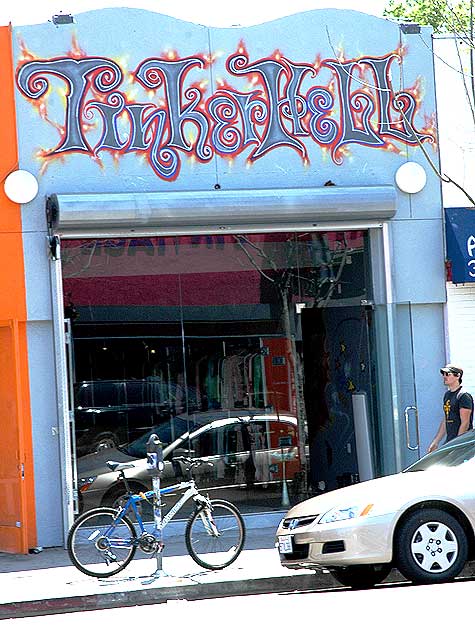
x=461 y=327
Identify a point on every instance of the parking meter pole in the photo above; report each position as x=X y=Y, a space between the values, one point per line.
x=155 y=466
x=285 y=502
x=285 y=442
x=157 y=517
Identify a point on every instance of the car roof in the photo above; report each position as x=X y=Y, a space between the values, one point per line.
x=222 y=422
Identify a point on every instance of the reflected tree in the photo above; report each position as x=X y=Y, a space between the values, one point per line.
x=312 y=272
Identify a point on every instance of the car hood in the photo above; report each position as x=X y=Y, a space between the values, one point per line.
x=95 y=463
x=387 y=493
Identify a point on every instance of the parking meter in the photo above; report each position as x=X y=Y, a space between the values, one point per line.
x=155 y=455
x=155 y=465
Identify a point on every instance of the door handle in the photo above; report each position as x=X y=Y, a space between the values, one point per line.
x=408 y=437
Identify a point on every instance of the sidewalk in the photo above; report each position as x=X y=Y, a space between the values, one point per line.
x=47 y=583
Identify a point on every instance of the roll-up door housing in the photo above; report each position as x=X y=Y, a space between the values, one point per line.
x=84 y=215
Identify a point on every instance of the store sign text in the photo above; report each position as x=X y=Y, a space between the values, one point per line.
x=281 y=107
x=470 y=251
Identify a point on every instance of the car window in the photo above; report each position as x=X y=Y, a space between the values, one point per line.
x=232 y=440
x=99 y=394
x=258 y=435
x=205 y=444
x=136 y=392
x=167 y=433
x=225 y=440
x=449 y=456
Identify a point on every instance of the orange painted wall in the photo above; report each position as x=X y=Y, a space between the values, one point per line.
x=17 y=505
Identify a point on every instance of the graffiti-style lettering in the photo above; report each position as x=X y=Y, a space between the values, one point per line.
x=80 y=75
x=353 y=104
x=154 y=73
x=110 y=110
x=284 y=106
x=271 y=73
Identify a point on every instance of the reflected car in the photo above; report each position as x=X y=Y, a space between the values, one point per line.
x=245 y=450
x=420 y=521
x=110 y=412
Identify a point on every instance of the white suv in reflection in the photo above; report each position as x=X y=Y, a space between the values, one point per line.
x=247 y=450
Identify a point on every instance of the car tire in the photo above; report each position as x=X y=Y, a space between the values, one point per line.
x=361 y=575
x=431 y=547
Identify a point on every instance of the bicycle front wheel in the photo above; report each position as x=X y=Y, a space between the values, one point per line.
x=99 y=544
x=214 y=538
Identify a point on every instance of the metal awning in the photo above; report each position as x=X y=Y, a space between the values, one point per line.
x=161 y=213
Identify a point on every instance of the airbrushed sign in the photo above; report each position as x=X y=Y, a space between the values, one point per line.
x=165 y=109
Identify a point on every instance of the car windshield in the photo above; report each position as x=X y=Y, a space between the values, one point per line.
x=453 y=454
x=167 y=433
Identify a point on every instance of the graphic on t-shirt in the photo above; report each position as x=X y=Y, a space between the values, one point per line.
x=447 y=410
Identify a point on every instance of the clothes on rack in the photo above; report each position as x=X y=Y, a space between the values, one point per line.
x=233 y=381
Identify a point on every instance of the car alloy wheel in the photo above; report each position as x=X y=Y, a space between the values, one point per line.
x=431 y=546
x=104 y=441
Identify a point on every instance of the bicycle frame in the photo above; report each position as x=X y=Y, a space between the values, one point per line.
x=134 y=500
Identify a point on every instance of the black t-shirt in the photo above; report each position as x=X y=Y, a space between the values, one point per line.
x=453 y=402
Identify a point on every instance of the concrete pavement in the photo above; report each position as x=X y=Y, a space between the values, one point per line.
x=47 y=583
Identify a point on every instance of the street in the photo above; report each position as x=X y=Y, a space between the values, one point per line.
x=388 y=606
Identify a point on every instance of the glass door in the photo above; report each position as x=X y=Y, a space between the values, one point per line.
x=397 y=437
x=407 y=409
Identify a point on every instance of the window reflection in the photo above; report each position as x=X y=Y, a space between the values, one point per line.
x=207 y=329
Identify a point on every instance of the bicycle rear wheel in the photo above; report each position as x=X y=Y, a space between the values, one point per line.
x=98 y=555
x=214 y=538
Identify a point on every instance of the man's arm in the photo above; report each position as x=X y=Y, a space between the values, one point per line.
x=440 y=434
x=464 y=420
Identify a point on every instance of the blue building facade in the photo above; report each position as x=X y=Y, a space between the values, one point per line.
x=219 y=234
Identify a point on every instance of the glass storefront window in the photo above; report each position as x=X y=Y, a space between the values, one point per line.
x=243 y=349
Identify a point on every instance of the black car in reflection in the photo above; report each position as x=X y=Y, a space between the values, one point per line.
x=112 y=412
x=248 y=449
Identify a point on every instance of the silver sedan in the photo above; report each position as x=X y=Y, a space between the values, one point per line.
x=420 y=521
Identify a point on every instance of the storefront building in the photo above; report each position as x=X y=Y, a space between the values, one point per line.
x=223 y=250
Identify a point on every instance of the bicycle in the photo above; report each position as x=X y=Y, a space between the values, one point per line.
x=103 y=541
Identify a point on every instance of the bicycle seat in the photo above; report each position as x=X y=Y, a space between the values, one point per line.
x=115 y=466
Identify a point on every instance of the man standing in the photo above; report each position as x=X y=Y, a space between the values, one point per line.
x=458 y=407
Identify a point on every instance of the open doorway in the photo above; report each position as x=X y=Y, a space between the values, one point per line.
x=339 y=364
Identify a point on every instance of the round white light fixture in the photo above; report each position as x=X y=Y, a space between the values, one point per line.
x=411 y=177
x=21 y=186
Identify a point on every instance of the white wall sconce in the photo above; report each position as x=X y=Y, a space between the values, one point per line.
x=411 y=177
x=21 y=186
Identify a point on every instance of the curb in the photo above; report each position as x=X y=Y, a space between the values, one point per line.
x=280 y=584
x=209 y=590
